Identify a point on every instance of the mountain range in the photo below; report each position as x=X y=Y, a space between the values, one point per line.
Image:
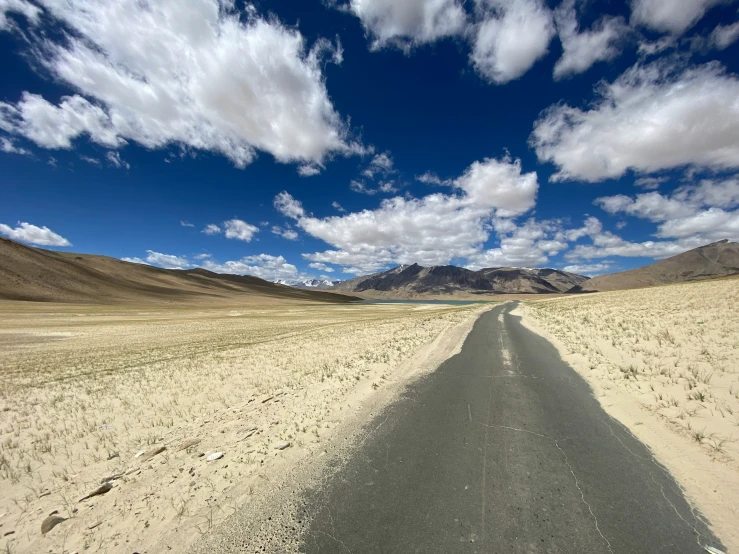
x=35 y=274
x=719 y=259
x=448 y=279
x=320 y=284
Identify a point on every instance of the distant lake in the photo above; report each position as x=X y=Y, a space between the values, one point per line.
x=397 y=301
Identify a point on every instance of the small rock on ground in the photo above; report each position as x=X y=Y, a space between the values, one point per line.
x=102 y=489
x=50 y=522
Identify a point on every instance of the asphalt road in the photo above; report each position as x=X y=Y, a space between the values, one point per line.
x=502 y=449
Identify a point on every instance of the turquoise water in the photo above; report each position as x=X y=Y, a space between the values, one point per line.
x=452 y=302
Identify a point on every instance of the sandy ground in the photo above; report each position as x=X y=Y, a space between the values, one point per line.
x=141 y=398
x=665 y=362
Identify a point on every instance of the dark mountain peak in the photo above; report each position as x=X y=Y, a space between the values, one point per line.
x=448 y=270
x=450 y=279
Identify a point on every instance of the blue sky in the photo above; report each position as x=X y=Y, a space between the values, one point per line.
x=336 y=138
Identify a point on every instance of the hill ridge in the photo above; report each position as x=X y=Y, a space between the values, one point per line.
x=711 y=261
x=40 y=275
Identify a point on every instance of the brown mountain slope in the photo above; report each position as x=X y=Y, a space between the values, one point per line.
x=35 y=274
x=719 y=259
x=448 y=279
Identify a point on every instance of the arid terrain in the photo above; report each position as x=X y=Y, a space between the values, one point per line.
x=41 y=275
x=143 y=397
x=711 y=261
x=665 y=362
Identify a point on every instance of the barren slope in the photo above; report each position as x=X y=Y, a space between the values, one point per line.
x=35 y=274
x=719 y=259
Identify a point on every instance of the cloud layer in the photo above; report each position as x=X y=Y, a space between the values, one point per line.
x=264 y=266
x=512 y=35
x=653 y=117
x=407 y=23
x=200 y=75
x=671 y=16
x=581 y=49
x=25 y=232
x=431 y=230
x=695 y=214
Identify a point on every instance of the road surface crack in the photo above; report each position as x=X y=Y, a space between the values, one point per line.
x=569 y=466
x=695 y=531
x=696 y=517
x=582 y=495
x=331 y=519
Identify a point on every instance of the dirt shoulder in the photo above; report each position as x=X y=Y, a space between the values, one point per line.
x=663 y=362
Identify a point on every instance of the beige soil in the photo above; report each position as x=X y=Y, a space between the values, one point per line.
x=665 y=362
x=86 y=389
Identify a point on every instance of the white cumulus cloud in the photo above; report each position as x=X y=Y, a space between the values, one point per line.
x=431 y=230
x=167 y=261
x=201 y=74
x=511 y=37
x=589 y=270
x=308 y=170
x=211 y=229
x=239 y=230
x=670 y=16
x=608 y=244
x=321 y=267
x=9 y=147
x=724 y=36
x=652 y=117
x=25 y=232
x=407 y=23
x=286 y=233
x=135 y=261
x=381 y=163
x=264 y=266
x=581 y=49
x=500 y=184
x=698 y=213
x=692 y=215
x=685 y=200
x=527 y=245
x=288 y=206
x=431 y=178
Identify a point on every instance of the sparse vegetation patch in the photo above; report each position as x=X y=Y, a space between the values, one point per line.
x=136 y=425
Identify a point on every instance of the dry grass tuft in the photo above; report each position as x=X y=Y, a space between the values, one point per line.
x=674 y=348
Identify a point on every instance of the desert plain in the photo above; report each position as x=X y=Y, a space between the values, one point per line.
x=184 y=414
x=143 y=397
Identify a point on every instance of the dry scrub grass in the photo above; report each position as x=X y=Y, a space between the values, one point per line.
x=675 y=348
x=664 y=361
x=84 y=389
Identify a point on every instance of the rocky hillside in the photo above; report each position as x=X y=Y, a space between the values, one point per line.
x=449 y=279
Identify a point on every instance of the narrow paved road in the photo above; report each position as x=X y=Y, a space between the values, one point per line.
x=502 y=449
